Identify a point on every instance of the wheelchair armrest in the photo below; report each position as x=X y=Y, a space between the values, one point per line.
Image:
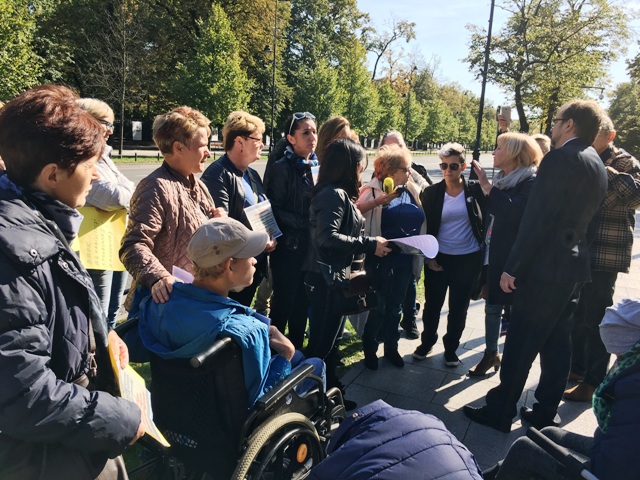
x=126 y=326
x=283 y=387
x=560 y=454
x=217 y=347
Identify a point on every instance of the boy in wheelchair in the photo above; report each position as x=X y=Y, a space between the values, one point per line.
x=222 y=252
x=612 y=453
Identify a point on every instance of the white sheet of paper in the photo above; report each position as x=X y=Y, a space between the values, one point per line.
x=261 y=218
x=314 y=174
x=182 y=274
x=427 y=244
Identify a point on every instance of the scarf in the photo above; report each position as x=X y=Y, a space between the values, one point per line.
x=302 y=165
x=519 y=175
x=602 y=400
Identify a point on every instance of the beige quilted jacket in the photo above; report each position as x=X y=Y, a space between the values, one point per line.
x=166 y=208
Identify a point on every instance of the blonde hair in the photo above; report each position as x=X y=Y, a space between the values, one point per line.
x=240 y=124
x=521 y=147
x=209 y=272
x=96 y=108
x=390 y=159
x=543 y=141
x=179 y=125
x=331 y=130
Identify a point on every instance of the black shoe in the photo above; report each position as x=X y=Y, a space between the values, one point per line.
x=451 y=359
x=410 y=328
x=492 y=473
x=349 y=404
x=529 y=416
x=422 y=351
x=394 y=358
x=371 y=361
x=482 y=416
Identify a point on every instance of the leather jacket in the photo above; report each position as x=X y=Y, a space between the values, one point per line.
x=336 y=234
x=224 y=181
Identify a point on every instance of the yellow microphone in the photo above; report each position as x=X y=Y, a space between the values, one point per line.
x=388 y=185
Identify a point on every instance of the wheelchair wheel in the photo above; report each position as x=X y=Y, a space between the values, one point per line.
x=286 y=447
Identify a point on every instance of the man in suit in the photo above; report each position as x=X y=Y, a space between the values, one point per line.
x=547 y=265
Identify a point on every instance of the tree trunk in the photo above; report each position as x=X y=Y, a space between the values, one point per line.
x=524 y=123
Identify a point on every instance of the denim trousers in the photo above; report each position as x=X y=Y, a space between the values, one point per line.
x=109 y=286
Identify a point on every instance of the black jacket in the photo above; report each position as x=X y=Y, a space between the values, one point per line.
x=507 y=207
x=46 y=306
x=552 y=240
x=432 y=199
x=335 y=233
x=288 y=194
x=225 y=185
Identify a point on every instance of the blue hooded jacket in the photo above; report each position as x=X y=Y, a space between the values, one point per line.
x=192 y=320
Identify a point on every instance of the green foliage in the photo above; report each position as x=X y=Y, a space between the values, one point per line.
x=20 y=66
x=211 y=79
x=318 y=92
x=360 y=95
x=388 y=108
x=625 y=114
x=549 y=49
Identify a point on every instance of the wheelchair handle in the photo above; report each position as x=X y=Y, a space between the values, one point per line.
x=217 y=347
x=561 y=454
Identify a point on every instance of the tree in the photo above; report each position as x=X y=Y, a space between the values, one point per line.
x=359 y=93
x=379 y=42
x=20 y=66
x=318 y=92
x=624 y=112
x=211 y=79
x=389 y=109
x=548 y=49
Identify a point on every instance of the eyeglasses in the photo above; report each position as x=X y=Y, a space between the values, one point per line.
x=107 y=124
x=452 y=166
x=253 y=138
x=300 y=116
x=557 y=120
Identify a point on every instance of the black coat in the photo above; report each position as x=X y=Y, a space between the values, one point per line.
x=46 y=306
x=335 y=233
x=226 y=187
x=507 y=207
x=551 y=244
x=289 y=197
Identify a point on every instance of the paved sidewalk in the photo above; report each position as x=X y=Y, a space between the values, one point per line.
x=431 y=387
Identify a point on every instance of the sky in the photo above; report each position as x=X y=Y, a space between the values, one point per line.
x=440 y=32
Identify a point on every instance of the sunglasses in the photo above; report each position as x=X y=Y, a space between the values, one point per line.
x=107 y=124
x=452 y=166
x=300 y=116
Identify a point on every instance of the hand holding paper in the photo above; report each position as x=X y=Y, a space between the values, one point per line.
x=426 y=245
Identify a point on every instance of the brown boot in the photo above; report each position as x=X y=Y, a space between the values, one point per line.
x=489 y=360
x=583 y=392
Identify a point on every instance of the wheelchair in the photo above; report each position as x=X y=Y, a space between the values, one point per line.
x=201 y=407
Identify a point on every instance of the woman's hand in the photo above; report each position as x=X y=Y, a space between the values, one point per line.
x=386 y=198
x=482 y=177
x=139 y=433
x=281 y=344
x=120 y=349
x=271 y=245
x=161 y=290
x=381 y=247
x=434 y=265
x=218 y=212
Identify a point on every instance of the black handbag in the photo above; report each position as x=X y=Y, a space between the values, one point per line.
x=359 y=295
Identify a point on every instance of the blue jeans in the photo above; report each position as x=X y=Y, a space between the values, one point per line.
x=492 y=322
x=109 y=286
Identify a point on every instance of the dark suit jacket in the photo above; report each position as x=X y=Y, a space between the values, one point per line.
x=551 y=244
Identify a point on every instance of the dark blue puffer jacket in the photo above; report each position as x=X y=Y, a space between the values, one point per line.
x=45 y=310
x=387 y=443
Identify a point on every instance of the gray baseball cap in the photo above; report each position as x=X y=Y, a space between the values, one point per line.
x=219 y=239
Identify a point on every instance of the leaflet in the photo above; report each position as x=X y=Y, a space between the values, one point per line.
x=261 y=218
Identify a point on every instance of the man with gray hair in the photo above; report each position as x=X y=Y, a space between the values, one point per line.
x=609 y=253
x=548 y=263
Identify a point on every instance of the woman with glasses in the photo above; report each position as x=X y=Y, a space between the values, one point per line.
x=234 y=185
x=392 y=215
x=516 y=157
x=454 y=217
x=288 y=182
x=337 y=243
x=111 y=192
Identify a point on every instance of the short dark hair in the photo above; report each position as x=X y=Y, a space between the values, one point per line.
x=342 y=160
x=45 y=125
x=586 y=116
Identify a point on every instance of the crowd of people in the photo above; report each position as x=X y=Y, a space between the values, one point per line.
x=543 y=239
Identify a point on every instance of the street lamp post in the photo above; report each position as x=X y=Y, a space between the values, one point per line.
x=476 y=148
x=268 y=49
x=601 y=96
